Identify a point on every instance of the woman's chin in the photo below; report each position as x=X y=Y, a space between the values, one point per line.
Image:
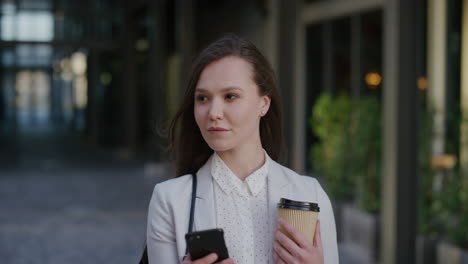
x=219 y=147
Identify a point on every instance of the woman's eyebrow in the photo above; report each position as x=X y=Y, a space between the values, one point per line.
x=227 y=89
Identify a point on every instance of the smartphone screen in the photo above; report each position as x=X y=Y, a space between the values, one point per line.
x=202 y=243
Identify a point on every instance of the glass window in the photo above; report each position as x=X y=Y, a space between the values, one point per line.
x=28 y=26
x=35 y=25
x=28 y=55
x=7 y=30
x=7 y=57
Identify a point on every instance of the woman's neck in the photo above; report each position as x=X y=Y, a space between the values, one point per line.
x=242 y=162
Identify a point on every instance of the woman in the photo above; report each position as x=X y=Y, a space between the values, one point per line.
x=228 y=132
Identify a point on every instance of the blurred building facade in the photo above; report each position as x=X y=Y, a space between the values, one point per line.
x=113 y=72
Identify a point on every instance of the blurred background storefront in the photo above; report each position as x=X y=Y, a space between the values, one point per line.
x=375 y=101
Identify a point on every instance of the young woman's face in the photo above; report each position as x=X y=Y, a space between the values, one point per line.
x=228 y=106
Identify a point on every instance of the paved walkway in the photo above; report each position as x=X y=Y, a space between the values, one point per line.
x=80 y=216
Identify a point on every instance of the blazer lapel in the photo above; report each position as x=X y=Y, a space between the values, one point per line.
x=205 y=217
x=277 y=188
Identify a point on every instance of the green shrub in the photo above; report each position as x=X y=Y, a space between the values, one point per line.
x=348 y=152
x=330 y=121
x=442 y=209
x=451 y=211
x=366 y=141
x=427 y=208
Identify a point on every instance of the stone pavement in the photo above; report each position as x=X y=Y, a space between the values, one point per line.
x=73 y=216
x=83 y=215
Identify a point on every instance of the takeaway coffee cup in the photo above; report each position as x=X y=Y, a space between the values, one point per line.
x=302 y=215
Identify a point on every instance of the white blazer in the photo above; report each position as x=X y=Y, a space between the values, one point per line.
x=169 y=210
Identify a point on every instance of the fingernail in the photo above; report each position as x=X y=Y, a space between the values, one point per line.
x=213 y=256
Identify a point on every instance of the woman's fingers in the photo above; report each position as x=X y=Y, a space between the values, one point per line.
x=187 y=259
x=227 y=261
x=286 y=251
x=298 y=237
x=278 y=259
x=297 y=249
x=209 y=259
x=318 y=235
x=286 y=243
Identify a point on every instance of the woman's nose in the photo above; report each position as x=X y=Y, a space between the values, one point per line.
x=216 y=110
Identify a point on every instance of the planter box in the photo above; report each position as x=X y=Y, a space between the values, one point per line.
x=338 y=211
x=464 y=258
x=448 y=253
x=426 y=249
x=360 y=233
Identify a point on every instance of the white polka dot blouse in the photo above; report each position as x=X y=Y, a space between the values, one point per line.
x=242 y=211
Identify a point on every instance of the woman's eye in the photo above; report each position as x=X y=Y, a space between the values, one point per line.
x=231 y=96
x=200 y=98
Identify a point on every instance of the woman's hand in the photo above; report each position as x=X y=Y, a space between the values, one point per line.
x=286 y=251
x=209 y=259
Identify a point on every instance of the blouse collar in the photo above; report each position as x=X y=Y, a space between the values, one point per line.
x=229 y=182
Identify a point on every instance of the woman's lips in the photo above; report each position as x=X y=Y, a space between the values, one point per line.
x=217 y=130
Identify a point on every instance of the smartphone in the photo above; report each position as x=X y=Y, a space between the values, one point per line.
x=202 y=243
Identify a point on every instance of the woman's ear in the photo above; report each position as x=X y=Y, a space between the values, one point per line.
x=266 y=100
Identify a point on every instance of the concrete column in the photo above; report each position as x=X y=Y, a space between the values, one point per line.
x=286 y=71
x=464 y=98
x=130 y=90
x=92 y=128
x=185 y=40
x=390 y=122
x=298 y=154
x=437 y=70
x=157 y=103
x=328 y=74
x=356 y=73
x=271 y=33
x=400 y=130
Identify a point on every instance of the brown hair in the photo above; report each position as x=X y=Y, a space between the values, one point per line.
x=190 y=149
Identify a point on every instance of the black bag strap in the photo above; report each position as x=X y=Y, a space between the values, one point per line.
x=192 y=206
x=144 y=258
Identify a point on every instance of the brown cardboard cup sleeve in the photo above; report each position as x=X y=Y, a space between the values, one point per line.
x=302 y=215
